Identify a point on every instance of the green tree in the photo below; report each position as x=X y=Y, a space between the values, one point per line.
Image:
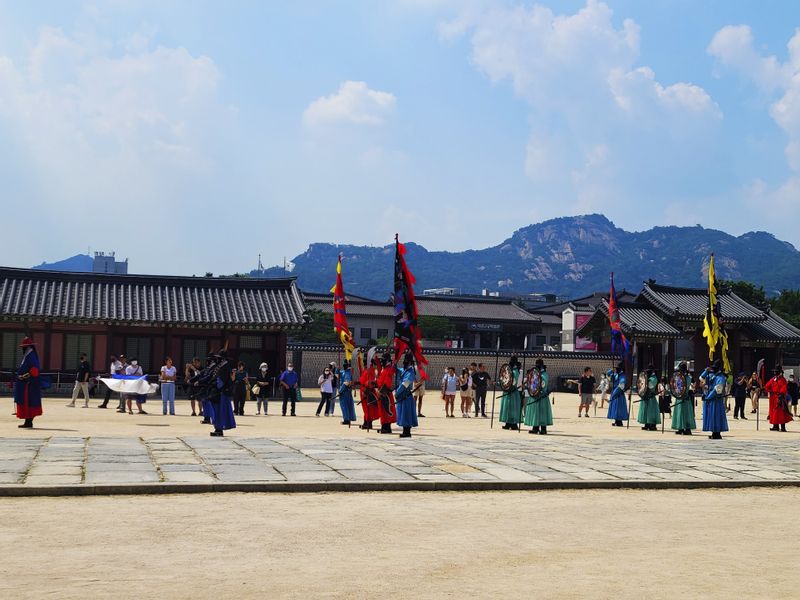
x=747 y=292
x=787 y=306
x=435 y=328
x=318 y=330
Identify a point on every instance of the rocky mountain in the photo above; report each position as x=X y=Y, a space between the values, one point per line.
x=569 y=256
x=80 y=263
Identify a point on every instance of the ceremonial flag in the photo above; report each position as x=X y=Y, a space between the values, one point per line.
x=619 y=343
x=713 y=325
x=340 y=314
x=407 y=334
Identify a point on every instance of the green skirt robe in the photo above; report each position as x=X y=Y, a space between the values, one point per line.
x=538 y=412
x=649 y=414
x=510 y=407
x=683 y=414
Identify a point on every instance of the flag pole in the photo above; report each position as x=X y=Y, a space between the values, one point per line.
x=634 y=358
x=494 y=387
x=521 y=388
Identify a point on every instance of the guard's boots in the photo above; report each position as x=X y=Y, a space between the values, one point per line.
x=783 y=427
x=715 y=436
x=774 y=428
x=543 y=430
x=534 y=430
x=406 y=432
x=366 y=425
x=618 y=423
x=28 y=424
x=386 y=428
x=514 y=427
x=687 y=432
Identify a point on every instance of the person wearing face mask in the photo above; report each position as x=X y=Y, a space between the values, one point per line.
x=289 y=381
x=262 y=381
x=135 y=369
x=325 y=382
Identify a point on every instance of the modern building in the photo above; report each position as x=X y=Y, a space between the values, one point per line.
x=107 y=263
x=145 y=316
x=666 y=323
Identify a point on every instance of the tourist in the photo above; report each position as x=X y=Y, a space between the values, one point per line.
x=538 y=413
x=386 y=404
x=754 y=388
x=167 y=379
x=240 y=383
x=334 y=384
x=586 y=389
x=739 y=396
x=262 y=383
x=289 y=381
x=792 y=391
x=617 y=405
x=113 y=369
x=714 y=418
x=481 y=380
x=604 y=387
x=81 y=382
x=406 y=415
x=511 y=401
x=779 y=414
x=464 y=385
x=473 y=369
x=419 y=392
x=346 y=403
x=190 y=371
x=123 y=369
x=136 y=370
x=449 y=388
x=664 y=397
x=648 y=415
x=27 y=387
x=325 y=383
x=683 y=419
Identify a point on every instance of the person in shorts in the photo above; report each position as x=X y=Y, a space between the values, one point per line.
x=793 y=391
x=586 y=387
x=419 y=392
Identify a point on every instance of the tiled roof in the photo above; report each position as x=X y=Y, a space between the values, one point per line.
x=637 y=320
x=472 y=309
x=354 y=308
x=692 y=303
x=150 y=299
x=774 y=329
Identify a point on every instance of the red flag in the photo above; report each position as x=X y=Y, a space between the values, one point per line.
x=340 y=314
x=407 y=334
x=615 y=321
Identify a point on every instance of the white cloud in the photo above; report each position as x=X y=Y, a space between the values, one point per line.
x=354 y=103
x=594 y=112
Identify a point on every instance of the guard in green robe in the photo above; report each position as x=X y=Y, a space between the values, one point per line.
x=683 y=420
x=538 y=413
x=649 y=414
x=511 y=401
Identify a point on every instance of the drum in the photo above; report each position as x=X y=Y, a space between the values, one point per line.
x=506 y=377
x=533 y=383
x=679 y=384
x=641 y=385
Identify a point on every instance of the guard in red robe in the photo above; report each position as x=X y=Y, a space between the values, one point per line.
x=386 y=408
x=779 y=413
x=369 y=394
x=27 y=388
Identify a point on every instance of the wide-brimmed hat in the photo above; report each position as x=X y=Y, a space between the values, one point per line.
x=27 y=341
x=263 y=366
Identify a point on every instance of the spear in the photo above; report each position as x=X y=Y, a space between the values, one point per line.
x=494 y=387
x=521 y=390
x=630 y=389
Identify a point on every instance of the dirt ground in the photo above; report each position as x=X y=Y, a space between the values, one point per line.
x=590 y=544
x=59 y=420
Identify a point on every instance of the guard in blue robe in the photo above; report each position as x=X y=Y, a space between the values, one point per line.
x=346 y=403
x=27 y=387
x=405 y=404
x=714 y=418
x=222 y=401
x=617 y=405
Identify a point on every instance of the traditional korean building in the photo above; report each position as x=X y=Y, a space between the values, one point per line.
x=146 y=316
x=667 y=325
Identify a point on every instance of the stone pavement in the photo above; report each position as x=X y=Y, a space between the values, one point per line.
x=77 y=465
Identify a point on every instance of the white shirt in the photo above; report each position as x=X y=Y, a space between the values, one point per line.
x=168 y=372
x=131 y=370
x=450 y=384
x=325 y=383
x=115 y=367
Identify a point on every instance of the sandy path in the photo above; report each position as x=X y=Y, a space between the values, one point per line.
x=59 y=420
x=599 y=544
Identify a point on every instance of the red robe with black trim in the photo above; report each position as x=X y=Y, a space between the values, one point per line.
x=369 y=394
x=388 y=414
x=778 y=415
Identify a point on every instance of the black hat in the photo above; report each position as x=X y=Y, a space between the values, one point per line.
x=683 y=367
x=513 y=361
x=620 y=367
x=539 y=363
x=651 y=368
x=408 y=360
x=777 y=369
x=717 y=365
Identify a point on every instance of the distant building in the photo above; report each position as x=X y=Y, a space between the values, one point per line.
x=107 y=263
x=443 y=291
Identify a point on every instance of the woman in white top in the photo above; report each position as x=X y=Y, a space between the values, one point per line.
x=449 y=388
x=465 y=385
x=167 y=381
x=325 y=382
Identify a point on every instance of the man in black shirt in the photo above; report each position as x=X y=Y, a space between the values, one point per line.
x=740 y=396
x=81 y=383
x=792 y=390
x=481 y=380
x=586 y=387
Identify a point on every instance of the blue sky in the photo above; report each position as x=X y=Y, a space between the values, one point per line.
x=192 y=136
